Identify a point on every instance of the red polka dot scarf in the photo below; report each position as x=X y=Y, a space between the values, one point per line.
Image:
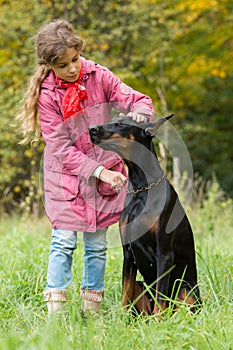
x=75 y=93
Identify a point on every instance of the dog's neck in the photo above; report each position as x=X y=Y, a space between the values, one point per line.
x=143 y=166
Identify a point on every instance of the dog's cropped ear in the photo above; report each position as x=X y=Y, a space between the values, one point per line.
x=152 y=130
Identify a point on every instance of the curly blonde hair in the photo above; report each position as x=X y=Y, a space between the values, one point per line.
x=51 y=42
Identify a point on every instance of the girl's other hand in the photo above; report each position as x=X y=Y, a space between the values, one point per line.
x=116 y=179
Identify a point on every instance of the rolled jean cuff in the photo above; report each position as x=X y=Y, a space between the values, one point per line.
x=55 y=295
x=91 y=294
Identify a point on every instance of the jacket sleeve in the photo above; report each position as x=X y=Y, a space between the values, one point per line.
x=61 y=154
x=124 y=97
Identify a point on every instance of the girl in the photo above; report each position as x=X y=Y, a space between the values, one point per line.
x=66 y=95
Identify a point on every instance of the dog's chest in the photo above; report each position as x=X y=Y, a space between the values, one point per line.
x=134 y=205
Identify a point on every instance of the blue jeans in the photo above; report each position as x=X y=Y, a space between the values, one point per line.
x=61 y=255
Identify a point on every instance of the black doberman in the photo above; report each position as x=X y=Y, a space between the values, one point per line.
x=156 y=234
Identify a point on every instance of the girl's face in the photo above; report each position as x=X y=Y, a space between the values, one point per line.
x=67 y=67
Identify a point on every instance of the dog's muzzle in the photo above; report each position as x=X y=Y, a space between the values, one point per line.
x=98 y=133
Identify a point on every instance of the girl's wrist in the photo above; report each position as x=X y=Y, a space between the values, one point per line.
x=97 y=171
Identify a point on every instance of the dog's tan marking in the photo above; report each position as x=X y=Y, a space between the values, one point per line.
x=184 y=296
x=141 y=299
x=154 y=227
x=131 y=137
x=114 y=136
x=128 y=290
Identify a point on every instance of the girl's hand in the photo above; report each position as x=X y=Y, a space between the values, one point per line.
x=139 y=118
x=114 y=178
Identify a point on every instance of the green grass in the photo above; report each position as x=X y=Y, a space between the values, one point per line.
x=24 y=324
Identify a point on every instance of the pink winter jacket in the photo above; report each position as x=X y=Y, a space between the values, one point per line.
x=74 y=199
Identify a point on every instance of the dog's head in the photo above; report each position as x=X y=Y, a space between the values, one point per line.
x=120 y=135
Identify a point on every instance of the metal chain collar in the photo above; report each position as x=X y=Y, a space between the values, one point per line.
x=144 y=188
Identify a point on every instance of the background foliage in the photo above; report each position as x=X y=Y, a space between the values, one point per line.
x=178 y=52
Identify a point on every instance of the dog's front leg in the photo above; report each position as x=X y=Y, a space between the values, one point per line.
x=128 y=276
x=165 y=260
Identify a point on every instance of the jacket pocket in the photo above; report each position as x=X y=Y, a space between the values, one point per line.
x=61 y=186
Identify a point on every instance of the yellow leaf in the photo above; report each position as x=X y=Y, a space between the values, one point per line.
x=17 y=189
